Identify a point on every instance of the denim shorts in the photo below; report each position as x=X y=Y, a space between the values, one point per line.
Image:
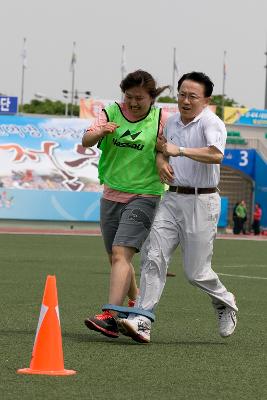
x=127 y=224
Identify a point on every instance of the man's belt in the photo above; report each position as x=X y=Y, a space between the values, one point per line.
x=191 y=190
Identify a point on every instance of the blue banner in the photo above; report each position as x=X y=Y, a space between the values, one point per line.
x=243 y=160
x=223 y=220
x=49 y=205
x=8 y=105
x=46 y=154
x=253 y=117
x=244 y=116
x=261 y=187
x=45 y=172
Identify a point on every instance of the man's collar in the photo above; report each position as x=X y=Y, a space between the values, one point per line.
x=197 y=117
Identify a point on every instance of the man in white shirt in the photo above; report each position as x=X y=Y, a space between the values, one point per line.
x=189 y=211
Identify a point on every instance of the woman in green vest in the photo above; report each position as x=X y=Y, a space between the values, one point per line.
x=127 y=134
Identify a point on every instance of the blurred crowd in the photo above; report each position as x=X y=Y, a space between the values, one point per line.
x=240 y=220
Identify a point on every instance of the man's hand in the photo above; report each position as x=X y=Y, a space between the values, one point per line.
x=170 y=149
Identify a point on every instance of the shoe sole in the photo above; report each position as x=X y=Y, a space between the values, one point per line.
x=127 y=330
x=92 y=326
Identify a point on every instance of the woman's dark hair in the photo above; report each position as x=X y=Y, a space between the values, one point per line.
x=198 y=77
x=144 y=80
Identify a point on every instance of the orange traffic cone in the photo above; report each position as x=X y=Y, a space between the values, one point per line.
x=47 y=354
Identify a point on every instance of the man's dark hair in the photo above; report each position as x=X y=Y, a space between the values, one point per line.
x=198 y=77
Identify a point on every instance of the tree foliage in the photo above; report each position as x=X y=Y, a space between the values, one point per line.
x=48 y=107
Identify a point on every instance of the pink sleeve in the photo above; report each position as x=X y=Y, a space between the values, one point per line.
x=98 y=122
x=163 y=119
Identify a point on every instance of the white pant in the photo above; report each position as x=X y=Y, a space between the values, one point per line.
x=191 y=221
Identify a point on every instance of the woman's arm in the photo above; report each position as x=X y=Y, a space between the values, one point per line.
x=92 y=136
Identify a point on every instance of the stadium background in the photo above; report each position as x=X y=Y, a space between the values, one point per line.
x=46 y=173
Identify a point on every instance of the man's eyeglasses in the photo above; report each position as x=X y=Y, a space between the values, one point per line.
x=190 y=97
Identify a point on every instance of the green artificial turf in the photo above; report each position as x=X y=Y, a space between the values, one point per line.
x=186 y=359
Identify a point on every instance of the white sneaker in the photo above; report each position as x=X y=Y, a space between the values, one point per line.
x=137 y=327
x=227 y=320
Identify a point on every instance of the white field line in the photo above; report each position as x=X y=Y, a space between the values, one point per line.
x=244 y=266
x=69 y=233
x=237 y=237
x=243 y=276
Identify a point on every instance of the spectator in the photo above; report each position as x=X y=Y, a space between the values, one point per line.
x=257 y=219
x=235 y=220
x=241 y=212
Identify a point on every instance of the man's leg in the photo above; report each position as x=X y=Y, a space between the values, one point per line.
x=155 y=255
x=199 y=230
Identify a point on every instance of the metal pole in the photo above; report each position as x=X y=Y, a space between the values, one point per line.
x=72 y=90
x=23 y=73
x=173 y=70
x=123 y=64
x=123 y=67
x=265 y=103
x=73 y=63
x=22 y=89
x=76 y=97
x=223 y=86
x=66 y=107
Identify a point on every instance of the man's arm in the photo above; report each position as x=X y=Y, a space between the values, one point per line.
x=208 y=155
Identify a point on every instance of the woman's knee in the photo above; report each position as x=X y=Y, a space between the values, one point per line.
x=122 y=254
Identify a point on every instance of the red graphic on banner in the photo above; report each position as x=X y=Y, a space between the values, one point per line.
x=70 y=181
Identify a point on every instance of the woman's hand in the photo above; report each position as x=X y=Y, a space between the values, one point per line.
x=108 y=128
x=165 y=170
x=160 y=142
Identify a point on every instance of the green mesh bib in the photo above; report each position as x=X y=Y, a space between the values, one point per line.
x=128 y=159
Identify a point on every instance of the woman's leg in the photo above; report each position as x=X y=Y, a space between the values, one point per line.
x=122 y=278
x=135 y=223
x=133 y=289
